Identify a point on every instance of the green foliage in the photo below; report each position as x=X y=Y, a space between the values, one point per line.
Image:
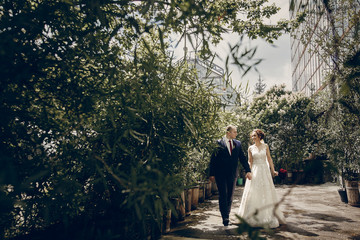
x=283 y=117
x=97 y=123
x=259 y=86
x=244 y=123
x=336 y=135
x=338 y=118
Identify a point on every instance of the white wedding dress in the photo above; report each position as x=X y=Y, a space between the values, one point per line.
x=258 y=204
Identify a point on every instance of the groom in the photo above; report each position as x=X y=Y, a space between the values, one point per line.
x=223 y=169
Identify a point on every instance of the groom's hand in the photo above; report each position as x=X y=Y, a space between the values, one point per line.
x=248 y=175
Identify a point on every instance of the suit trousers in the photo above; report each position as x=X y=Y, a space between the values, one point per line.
x=226 y=187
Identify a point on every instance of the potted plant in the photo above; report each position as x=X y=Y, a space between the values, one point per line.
x=282 y=174
x=352 y=186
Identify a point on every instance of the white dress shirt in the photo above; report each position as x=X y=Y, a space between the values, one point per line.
x=228 y=144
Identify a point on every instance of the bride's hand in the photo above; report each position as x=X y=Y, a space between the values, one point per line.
x=248 y=175
x=275 y=173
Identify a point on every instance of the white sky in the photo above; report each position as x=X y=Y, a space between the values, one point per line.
x=275 y=69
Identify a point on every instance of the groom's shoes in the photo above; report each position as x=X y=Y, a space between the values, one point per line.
x=226 y=222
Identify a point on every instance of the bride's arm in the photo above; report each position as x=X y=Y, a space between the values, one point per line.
x=250 y=158
x=268 y=157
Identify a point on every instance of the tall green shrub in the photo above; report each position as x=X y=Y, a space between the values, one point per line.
x=96 y=120
x=283 y=116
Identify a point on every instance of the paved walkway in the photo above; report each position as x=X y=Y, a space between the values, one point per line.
x=311 y=212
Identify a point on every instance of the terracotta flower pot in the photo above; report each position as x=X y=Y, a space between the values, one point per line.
x=182 y=211
x=214 y=188
x=202 y=192
x=352 y=192
x=188 y=196
x=208 y=192
x=194 y=197
x=167 y=221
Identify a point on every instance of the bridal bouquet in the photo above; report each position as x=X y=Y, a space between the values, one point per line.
x=282 y=173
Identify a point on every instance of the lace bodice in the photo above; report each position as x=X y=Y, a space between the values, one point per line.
x=258 y=153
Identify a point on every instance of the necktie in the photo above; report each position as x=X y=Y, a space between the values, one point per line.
x=230 y=147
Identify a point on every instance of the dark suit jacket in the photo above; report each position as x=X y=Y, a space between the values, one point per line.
x=222 y=164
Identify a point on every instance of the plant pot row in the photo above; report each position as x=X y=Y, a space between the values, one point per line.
x=188 y=201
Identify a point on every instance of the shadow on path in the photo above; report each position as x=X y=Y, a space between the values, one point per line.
x=312 y=212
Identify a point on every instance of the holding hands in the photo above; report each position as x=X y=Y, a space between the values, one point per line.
x=248 y=175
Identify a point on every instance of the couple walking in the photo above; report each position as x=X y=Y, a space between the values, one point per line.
x=259 y=201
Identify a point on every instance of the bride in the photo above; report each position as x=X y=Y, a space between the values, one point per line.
x=259 y=204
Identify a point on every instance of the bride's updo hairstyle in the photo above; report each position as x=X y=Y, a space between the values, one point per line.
x=259 y=133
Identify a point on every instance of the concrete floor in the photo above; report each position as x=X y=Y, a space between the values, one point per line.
x=311 y=212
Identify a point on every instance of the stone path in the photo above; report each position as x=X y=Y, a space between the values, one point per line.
x=311 y=212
